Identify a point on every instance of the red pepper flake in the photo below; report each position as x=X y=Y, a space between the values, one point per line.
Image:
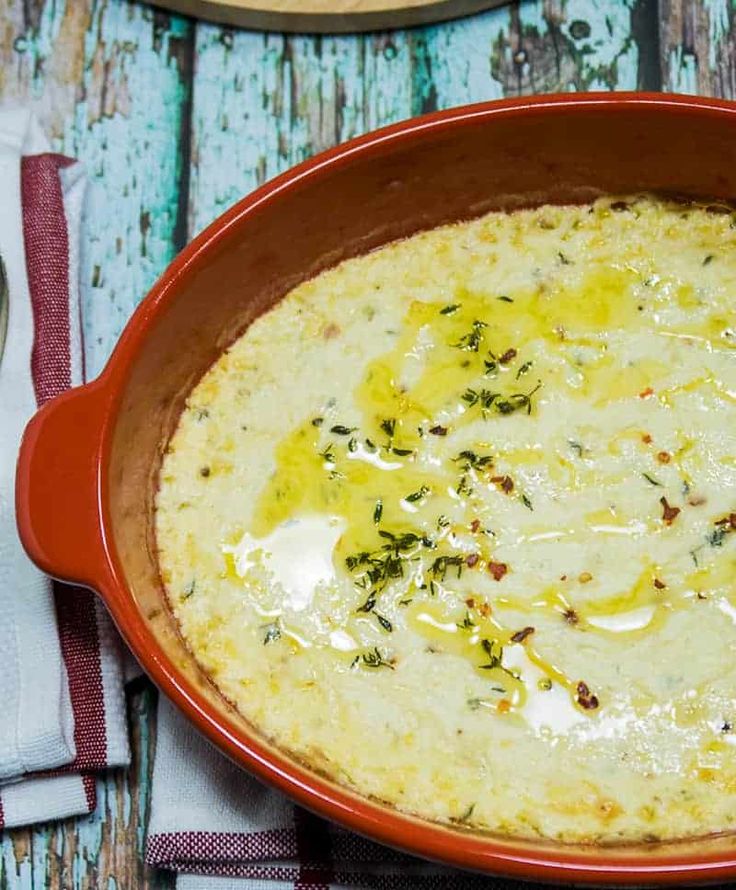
x=669 y=514
x=497 y=569
x=470 y=602
x=522 y=634
x=438 y=430
x=507 y=356
x=585 y=697
x=504 y=706
x=505 y=483
x=471 y=560
x=571 y=616
x=697 y=500
x=563 y=577
x=645 y=393
x=484 y=610
x=664 y=457
x=475 y=525
x=660 y=585
x=646 y=439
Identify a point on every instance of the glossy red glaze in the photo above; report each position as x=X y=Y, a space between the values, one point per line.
x=89 y=460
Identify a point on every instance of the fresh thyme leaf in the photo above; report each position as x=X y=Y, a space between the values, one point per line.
x=576 y=447
x=201 y=414
x=352 y=444
x=384 y=622
x=374 y=659
x=402 y=452
x=717 y=536
x=406 y=601
x=463 y=486
x=471 y=341
x=273 y=632
x=317 y=421
x=328 y=455
x=341 y=430
x=368 y=605
x=651 y=480
x=523 y=369
x=466 y=816
x=417 y=495
x=442 y=521
x=370 y=445
x=563 y=259
x=378 y=511
x=448 y=310
x=467 y=622
x=389 y=426
x=505 y=299
x=708 y=260
x=443 y=564
x=189 y=589
x=526 y=502
x=471 y=460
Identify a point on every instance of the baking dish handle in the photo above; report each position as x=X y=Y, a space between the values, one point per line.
x=57 y=488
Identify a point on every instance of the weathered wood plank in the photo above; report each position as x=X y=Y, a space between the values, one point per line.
x=262 y=102
x=110 y=81
x=698 y=41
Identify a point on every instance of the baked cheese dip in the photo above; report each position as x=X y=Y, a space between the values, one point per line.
x=454 y=523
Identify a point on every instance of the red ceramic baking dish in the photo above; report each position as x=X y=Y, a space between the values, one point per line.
x=89 y=460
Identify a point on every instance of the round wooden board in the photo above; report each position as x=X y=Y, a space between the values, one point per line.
x=327 y=16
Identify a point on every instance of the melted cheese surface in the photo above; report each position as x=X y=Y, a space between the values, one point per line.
x=454 y=522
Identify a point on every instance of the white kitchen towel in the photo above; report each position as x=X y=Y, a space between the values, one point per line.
x=61 y=686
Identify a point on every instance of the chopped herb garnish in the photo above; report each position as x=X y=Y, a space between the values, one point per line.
x=576 y=447
x=189 y=589
x=272 y=632
x=201 y=414
x=443 y=564
x=402 y=452
x=417 y=495
x=523 y=369
x=374 y=659
x=651 y=480
x=504 y=299
x=384 y=622
x=389 y=426
x=406 y=601
x=466 y=816
x=448 y=310
x=341 y=430
x=370 y=445
x=378 y=511
x=471 y=460
x=317 y=421
x=352 y=444
x=328 y=455
x=563 y=259
x=526 y=502
x=472 y=340
x=708 y=260
x=368 y=605
x=204 y=472
x=442 y=521
x=467 y=623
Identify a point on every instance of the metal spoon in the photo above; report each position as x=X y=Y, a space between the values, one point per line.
x=4 y=301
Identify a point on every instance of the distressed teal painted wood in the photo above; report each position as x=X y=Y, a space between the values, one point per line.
x=698 y=40
x=263 y=102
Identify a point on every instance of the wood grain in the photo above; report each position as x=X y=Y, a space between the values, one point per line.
x=333 y=16
x=698 y=40
x=176 y=121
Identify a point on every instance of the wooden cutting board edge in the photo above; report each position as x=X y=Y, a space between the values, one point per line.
x=364 y=15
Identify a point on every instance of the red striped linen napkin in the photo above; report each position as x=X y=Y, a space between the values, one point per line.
x=61 y=687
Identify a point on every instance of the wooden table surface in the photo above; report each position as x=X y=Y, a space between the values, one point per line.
x=175 y=120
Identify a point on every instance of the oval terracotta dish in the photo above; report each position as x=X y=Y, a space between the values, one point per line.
x=89 y=459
